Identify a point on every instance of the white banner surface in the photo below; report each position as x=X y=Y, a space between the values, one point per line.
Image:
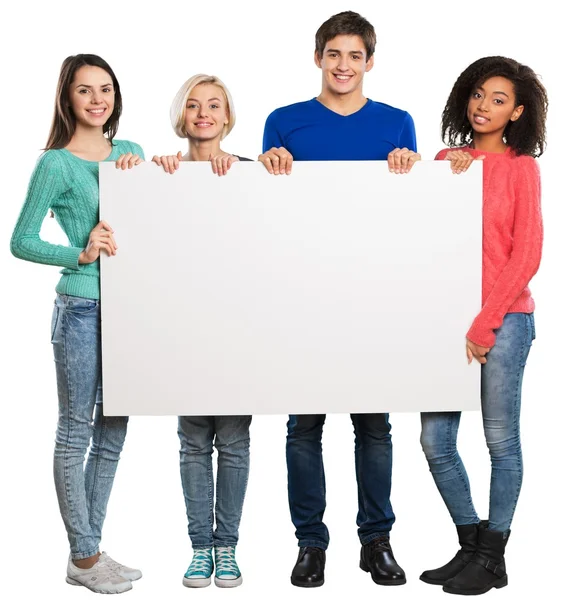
x=339 y=288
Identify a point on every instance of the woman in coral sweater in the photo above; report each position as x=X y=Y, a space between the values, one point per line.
x=496 y=112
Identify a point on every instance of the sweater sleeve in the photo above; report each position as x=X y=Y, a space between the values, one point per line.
x=527 y=240
x=271 y=135
x=45 y=186
x=138 y=150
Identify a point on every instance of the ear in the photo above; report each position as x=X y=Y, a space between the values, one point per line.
x=317 y=59
x=369 y=63
x=517 y=112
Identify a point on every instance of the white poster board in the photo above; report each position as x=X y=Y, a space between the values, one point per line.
x=339 y=288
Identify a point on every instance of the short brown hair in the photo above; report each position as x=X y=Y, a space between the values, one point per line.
x=346 y=23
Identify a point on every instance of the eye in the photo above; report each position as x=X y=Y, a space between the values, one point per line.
x=107 y=90
x=83 y=91
x=499 y=101
x=213 y=106
x=192 y=105
x=476 y=95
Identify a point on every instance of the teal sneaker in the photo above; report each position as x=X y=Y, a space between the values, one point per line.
x=199 y=571
x=227 y=572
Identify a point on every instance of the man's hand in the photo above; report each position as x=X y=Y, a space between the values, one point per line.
x=277 y=161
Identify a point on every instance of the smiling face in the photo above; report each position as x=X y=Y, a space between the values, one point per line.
x=92 y=96
x=492 y=106
x=343 y=65
x=206 y=112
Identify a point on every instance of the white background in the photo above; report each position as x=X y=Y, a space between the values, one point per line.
x=263 y=51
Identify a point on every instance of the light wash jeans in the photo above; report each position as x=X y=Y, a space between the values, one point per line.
x=501 y=383
x=82 y=493
x=230 y=435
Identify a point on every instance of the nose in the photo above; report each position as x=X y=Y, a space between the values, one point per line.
x=96 y=97
x=483 y=104
x=343 y=63
x=202 y=111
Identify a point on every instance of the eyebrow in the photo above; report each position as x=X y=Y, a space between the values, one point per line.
x=350 y=52
x=209 y=100
x=495 y=92
x=90 y=86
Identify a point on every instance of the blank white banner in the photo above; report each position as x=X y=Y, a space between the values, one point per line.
x=340 y=288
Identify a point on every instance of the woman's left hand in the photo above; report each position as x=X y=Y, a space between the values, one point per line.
x=128 y=161
x=475 y=351
x=221 y=164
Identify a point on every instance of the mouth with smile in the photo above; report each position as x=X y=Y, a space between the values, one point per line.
x=342 y=78
x=480 y=119
x=96 y=112
x=204 y=124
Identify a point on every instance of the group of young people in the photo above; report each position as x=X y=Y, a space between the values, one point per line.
x=496 y=112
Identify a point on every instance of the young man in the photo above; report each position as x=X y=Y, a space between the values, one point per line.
x=341 y=124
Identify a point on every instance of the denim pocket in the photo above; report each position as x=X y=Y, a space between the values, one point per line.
x=81 y=305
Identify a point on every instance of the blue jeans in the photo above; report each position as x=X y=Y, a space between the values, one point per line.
x=306 y=477
x=501 y=383
x=198 y=435
x=82 y=493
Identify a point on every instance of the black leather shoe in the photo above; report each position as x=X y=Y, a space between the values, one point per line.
x=308 y=570
x=377 y=559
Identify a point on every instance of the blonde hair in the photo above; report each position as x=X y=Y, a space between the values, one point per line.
x=177 y=111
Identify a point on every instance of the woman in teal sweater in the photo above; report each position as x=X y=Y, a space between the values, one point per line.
x=65 y=181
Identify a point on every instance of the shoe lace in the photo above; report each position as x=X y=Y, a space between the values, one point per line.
x=226 y=561
x=104 y=572
x=201 y=561
x=379 y=543
x=109 y=563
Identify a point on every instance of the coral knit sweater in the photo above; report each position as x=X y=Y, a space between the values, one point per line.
x=512 y=238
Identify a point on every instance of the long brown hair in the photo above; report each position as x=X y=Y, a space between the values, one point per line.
x=64 y=121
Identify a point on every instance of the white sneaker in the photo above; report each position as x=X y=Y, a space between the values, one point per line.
x=101 y=578
x=122 y=570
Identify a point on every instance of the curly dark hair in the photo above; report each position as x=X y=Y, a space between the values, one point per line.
x=525 y=135
x=346 y=23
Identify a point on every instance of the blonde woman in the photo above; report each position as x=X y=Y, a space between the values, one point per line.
x=203 y=114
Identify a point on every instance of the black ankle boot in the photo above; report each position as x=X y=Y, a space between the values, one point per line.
x=467 y=536
x=486 y=570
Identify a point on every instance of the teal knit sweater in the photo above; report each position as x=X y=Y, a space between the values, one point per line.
x=70 y=187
